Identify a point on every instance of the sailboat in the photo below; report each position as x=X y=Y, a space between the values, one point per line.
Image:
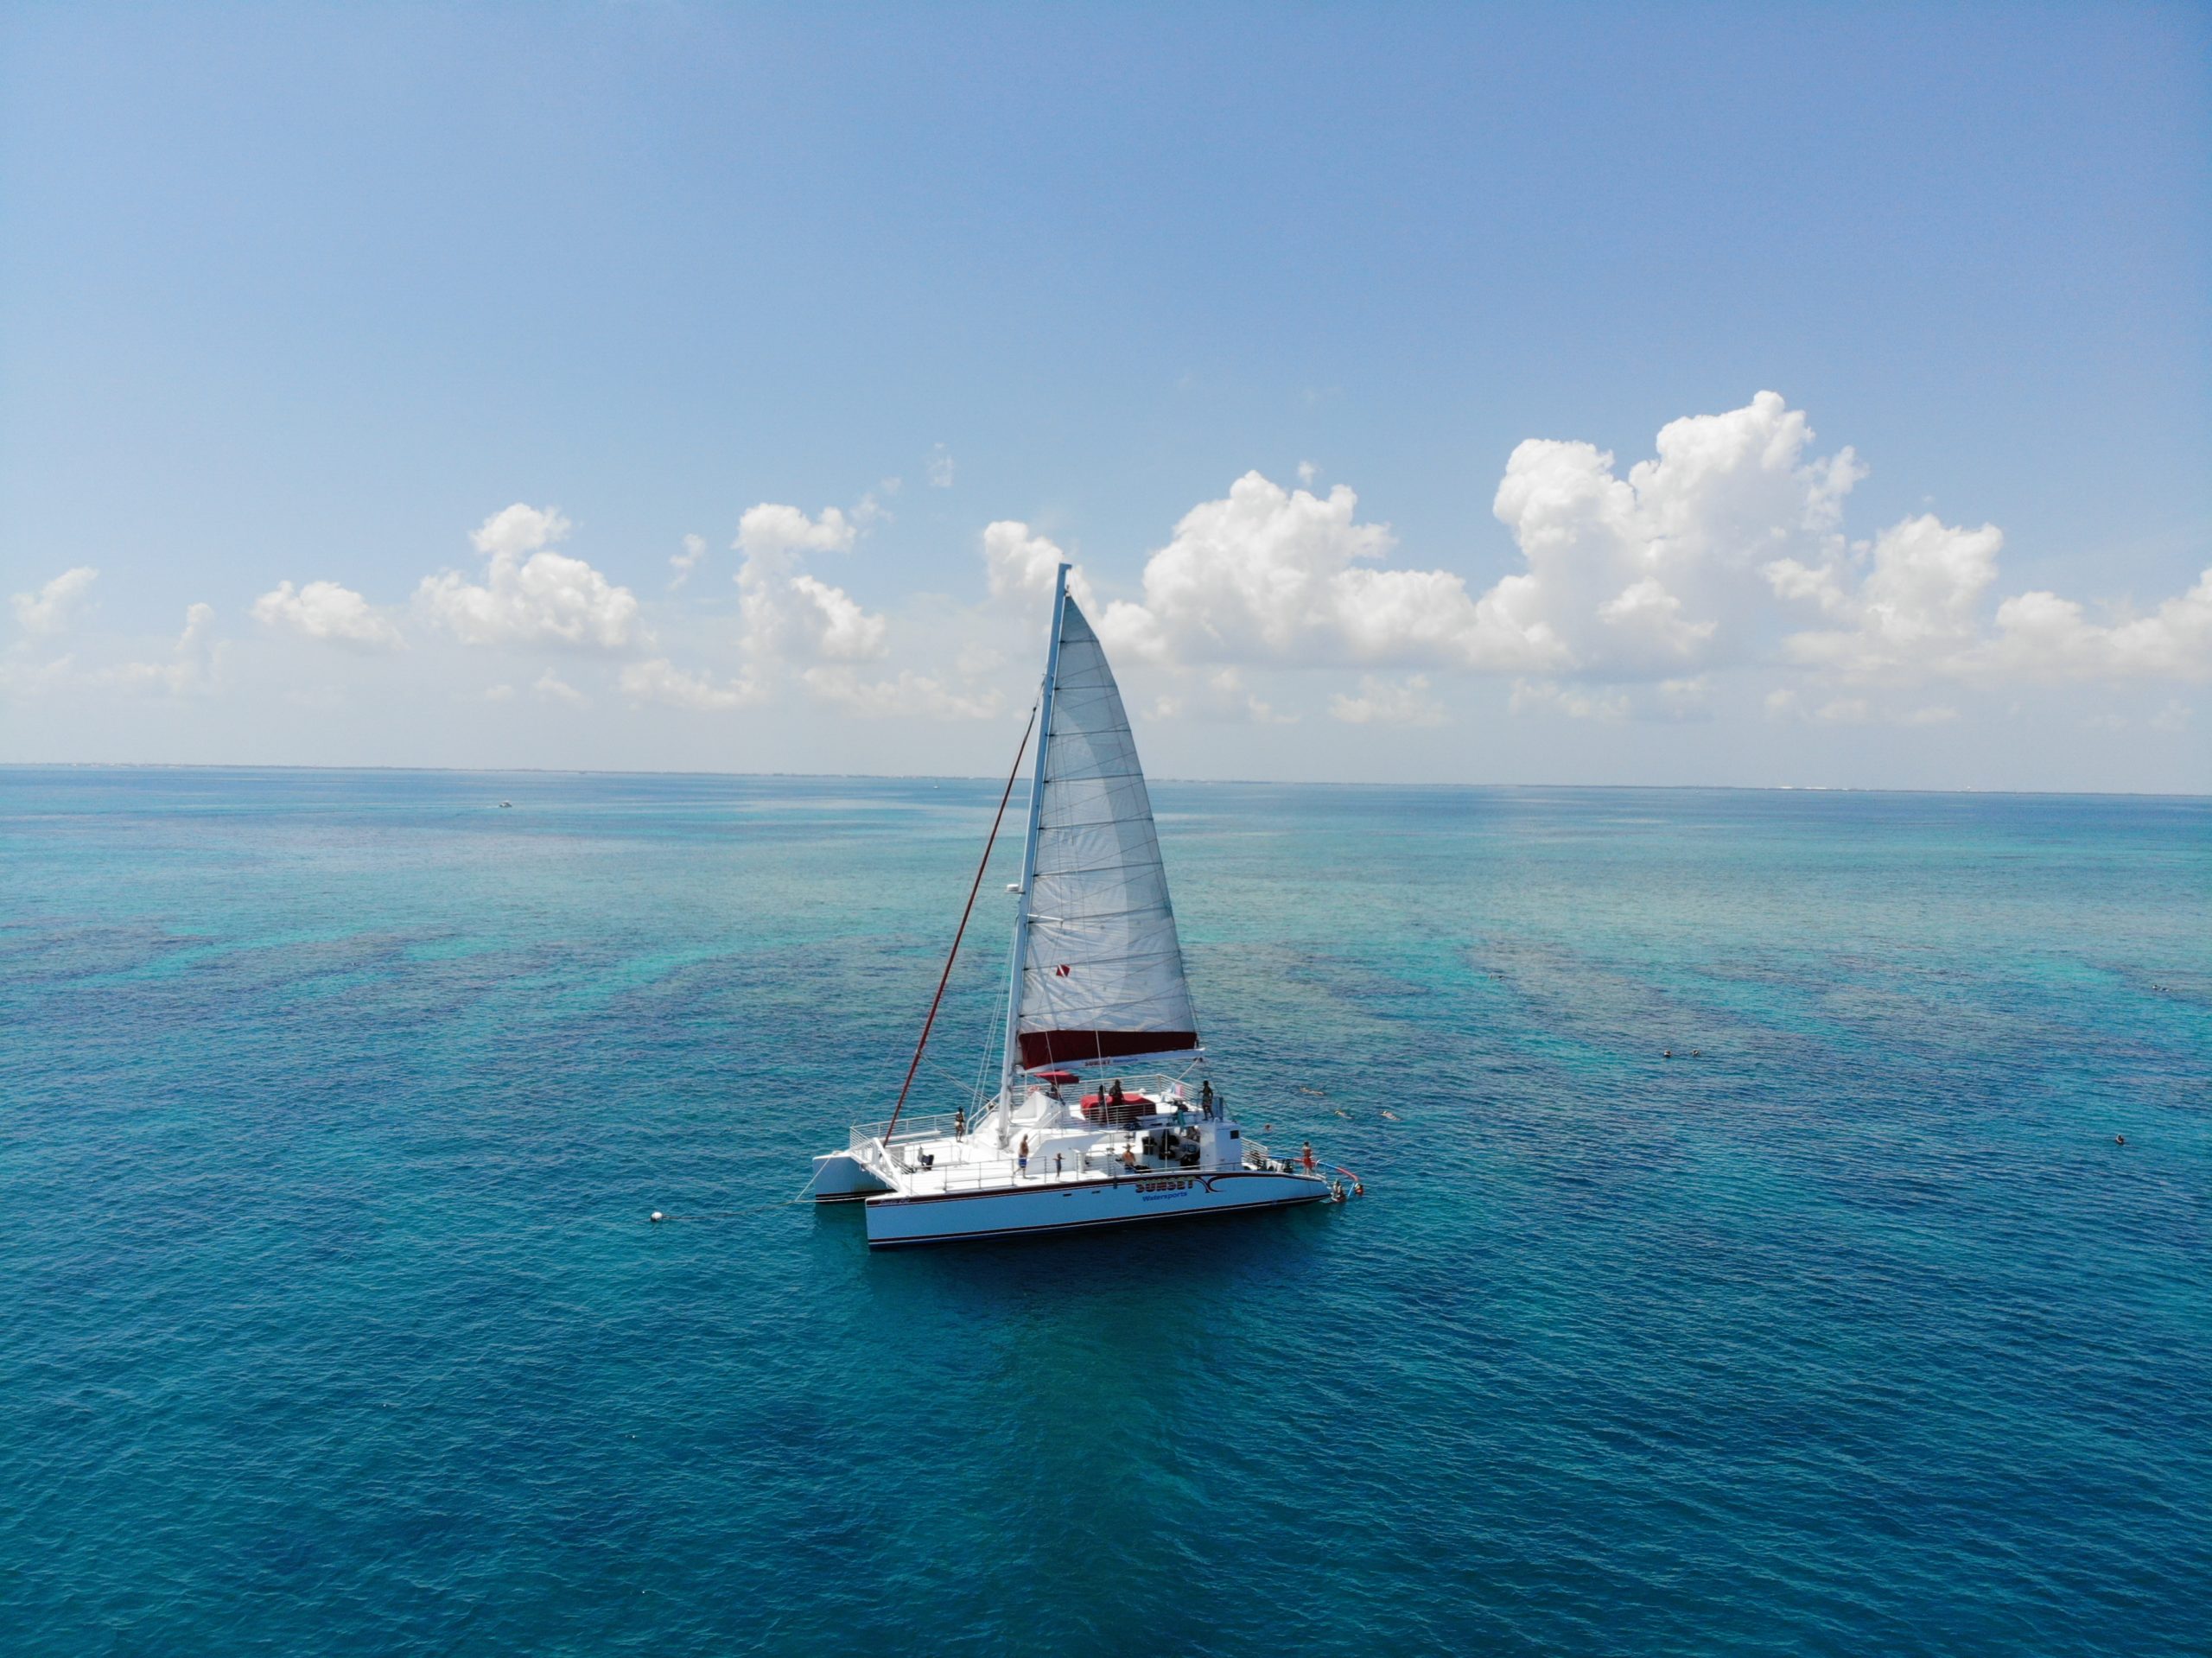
x=1105 y=1113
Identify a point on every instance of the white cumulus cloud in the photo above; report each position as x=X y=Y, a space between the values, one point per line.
x=1725 y=548
x=47 y=610
x=1019 y=568
x=531 y=595
x=1917 y=603
x=791 y=615
x=1657 y=573
x=553 y=689
x=324 y=610
x=2042 y=636
x=1271 y=574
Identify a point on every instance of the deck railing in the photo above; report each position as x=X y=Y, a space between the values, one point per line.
x=1043 y=1172
x=937 y=1126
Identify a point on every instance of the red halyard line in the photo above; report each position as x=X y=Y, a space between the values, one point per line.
x=952 y=956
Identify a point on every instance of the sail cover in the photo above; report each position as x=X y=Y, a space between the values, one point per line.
x=1103 y=973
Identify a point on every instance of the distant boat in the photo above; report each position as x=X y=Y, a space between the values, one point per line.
x=1103 y=1114
x=505 y=805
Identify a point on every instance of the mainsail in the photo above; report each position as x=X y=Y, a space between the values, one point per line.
x=1102 y=969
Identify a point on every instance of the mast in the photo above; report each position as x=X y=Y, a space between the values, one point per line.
x=1029 y=866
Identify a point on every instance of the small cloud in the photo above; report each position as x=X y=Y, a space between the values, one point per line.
x=193 y=666
x=555 y=688
x=47 y=610
x=910 y=696
x=1220 y=697
x=1683 y=699
x=773 y=530
x=1019 y=569
x=544 y=598
x=661 y=681
x=978 y=660
x=940 y=468
x=520 y=529
x=1544 y=696
x=792 y=617
x=499 y=693
x=1382 y=704
x=327 y=612
x=694 y=549
x=22 y=679
x=1307 y=471
x=1785 y=705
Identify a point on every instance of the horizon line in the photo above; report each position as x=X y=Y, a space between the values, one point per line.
x=958 y=777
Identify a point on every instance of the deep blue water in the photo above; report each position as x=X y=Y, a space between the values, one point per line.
x=332 y=1105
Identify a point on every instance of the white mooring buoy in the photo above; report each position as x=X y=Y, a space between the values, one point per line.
x=657 y=1218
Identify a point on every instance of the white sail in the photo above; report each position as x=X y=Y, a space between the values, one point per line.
x=1101 y=975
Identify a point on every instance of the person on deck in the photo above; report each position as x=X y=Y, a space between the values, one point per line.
x=960 y=1123
x=1024 y=1154
x=1205 y=1096
x=1306 y=1156
x=1114 y=1099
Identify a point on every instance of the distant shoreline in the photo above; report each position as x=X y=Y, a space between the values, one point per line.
x=1247 y=783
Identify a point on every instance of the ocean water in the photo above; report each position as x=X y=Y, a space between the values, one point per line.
x=333 y=1105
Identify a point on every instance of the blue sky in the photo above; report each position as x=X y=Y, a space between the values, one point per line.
x=312 y=295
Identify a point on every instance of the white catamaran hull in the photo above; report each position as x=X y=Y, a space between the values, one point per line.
x=1063 y=1206
x=840 y=1177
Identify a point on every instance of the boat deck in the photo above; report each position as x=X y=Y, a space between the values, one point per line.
x=1056 y=1157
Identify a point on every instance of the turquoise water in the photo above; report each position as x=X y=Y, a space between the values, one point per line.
x=334 y=1104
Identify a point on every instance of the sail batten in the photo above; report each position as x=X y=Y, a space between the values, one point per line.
x=1101 y=966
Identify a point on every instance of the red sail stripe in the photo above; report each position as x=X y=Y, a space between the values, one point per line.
x=1056 y=1047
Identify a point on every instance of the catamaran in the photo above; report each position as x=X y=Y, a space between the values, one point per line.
x=1105 y=1113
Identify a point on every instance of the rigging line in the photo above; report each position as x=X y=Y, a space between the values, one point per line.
x=922 y=1041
